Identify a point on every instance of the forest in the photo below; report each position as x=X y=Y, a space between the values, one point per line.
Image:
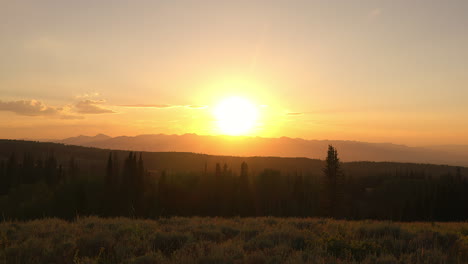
x=40 y=180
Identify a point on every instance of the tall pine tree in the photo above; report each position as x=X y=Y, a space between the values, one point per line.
x=333 y=183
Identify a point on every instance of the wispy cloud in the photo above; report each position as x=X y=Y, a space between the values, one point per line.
x=71 y=117
x=163 y=106
x=196 y=106
x=91 y=107
x=87 y=95
x=28 y=108
x=294 y=114
x=35 y=108
x=149 y=106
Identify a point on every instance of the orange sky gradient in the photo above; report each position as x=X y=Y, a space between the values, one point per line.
x=377 y=71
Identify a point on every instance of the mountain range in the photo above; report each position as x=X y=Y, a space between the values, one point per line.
x=456 y=155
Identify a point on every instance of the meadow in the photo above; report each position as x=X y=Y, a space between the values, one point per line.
x=231 y=240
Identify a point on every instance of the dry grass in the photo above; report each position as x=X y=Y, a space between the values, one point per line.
x=232 y=240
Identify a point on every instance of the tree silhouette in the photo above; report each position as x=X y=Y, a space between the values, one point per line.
x=51 y=172
x=298 y=195
x=27 y=175
x=333 y=182
x=4 y=180
x=244 y=193
x=72 y=169
x=163 y=194
x=218 y=170
x=140 y=187
x=128 y=186
x=32 y=186
x=110 y=171
x=11 y=172
x=140 y=172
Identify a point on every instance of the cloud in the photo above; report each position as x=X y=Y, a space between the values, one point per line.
x=374 y=13
x=71 y=117
x=163 y=106
x=294 y=114
x=196 y=106
x=91 y=107
x=35 y=108
x=149 y=106
x=87 y=95
x=28 y=108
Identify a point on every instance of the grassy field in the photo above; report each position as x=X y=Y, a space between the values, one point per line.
x=233 y=240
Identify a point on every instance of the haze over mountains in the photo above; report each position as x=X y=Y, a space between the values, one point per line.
x=281 y=147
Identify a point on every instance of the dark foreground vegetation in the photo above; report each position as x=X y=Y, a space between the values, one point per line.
x=54 y=183
x=231 y=240
x=51 y=180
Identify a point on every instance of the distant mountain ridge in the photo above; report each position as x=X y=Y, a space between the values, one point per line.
x=83 y=140
x=279 y=147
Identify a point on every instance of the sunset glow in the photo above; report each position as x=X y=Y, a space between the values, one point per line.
x=235 y=116
x=175 y=118
x=330 y=70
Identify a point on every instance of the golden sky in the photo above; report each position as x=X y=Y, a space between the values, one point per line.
x=372 y=70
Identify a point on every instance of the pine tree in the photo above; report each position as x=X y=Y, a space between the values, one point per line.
x=244 y=195
x=140 y=188
x=51 y=172
x=298 y=195
x=333 y=182
x=72 y=169
x=3 y=178
x=109 y=171
x=27 y=169
x=128 y=185
x=11 y=172
x=218 y=170
x=140 y=174
x=163 y=194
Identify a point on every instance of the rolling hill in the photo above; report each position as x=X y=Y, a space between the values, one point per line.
x=96 y=158
x=277 y=147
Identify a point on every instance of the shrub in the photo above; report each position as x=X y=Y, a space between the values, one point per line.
x=229 y=232
x=336 y=247
x=256 y=258
x=208 y=235
x=383 y=230
x=214 y=260
x=294 y=240
x=94 y=244
x=248 y=234
x=359 y=250
x=219 y=240
x=151 y=258
x=167 y=243
x=385 y=259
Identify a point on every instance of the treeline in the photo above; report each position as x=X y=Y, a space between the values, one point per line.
x=35 y=187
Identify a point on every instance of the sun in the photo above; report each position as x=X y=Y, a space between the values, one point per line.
x=235 y=116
